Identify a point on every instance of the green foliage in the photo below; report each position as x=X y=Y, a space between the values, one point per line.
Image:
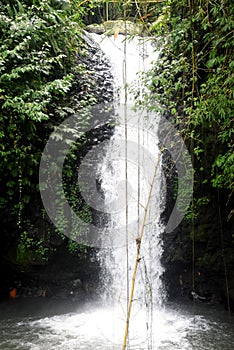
x=196 y=207
x=40 y=43
x=191 y=84
x=75 y=247
x=36 y=53
x=72 y=191
x=193 y=81
x=30 y=250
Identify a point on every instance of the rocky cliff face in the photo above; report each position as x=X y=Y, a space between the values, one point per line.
x=210 y=273
x=51 y=269
x=98 y=78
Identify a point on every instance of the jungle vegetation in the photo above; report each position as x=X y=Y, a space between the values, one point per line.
x=192 y=83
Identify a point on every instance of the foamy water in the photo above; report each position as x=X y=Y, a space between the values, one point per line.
x=102 y=328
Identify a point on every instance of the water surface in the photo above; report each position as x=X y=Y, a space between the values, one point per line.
x=52 y=324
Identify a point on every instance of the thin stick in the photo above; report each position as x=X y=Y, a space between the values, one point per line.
x=126 y=154
x=138 y=242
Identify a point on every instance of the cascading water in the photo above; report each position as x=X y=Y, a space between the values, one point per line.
x=140 y=53
x=131 y=177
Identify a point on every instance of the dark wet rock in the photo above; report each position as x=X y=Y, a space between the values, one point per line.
x=98 y=78
x=63 y=274
x=66 y=275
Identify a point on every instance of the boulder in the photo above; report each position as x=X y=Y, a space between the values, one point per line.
x=109 y=28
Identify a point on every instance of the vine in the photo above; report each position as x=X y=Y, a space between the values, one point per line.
x=191 y=84
x=40 y=41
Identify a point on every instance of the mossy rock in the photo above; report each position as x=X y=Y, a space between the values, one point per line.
x=109 y=28
x=95 y=28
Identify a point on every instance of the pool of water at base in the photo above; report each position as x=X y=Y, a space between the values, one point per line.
x=27 y=324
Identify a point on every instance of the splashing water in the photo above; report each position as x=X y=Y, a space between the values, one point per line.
x=96 y=327
x=131 y=177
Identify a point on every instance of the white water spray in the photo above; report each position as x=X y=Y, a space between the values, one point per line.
x=140 y=54
x=132 y=156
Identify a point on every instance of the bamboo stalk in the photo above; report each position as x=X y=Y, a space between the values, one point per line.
x=107 y=12
x=138 y=242
x=126 y=154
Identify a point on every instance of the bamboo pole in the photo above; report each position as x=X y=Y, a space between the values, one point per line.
x=138 y=243
x=126 y=155
x=107 y=12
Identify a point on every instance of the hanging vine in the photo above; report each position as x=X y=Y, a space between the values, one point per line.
x=192 y=82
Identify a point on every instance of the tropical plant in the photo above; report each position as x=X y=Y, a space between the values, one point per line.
x=39 y=45
x=192 y=82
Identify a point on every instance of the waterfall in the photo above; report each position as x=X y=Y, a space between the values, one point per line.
x=122 y=166
x=142 y=158
x=132 y=156
x=140 y=52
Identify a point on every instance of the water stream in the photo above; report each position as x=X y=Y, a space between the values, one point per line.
x=51 y=324
x=155 y=324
